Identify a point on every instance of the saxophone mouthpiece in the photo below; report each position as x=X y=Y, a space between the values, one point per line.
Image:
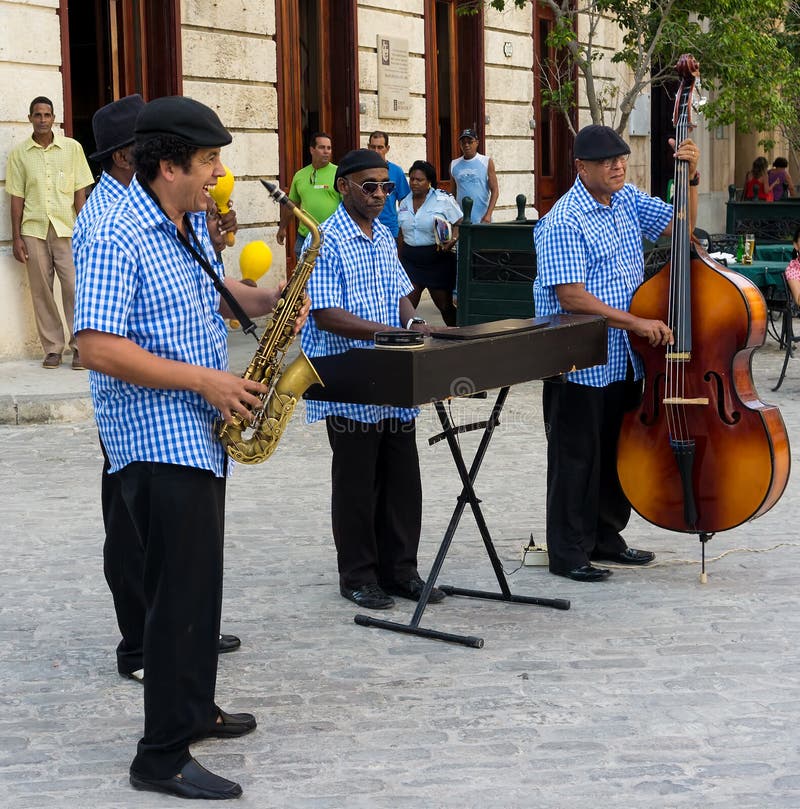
x=276 y=193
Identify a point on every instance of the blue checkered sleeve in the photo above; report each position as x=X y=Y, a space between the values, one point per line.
x=364 y=277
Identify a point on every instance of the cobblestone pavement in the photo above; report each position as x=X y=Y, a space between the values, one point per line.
x=653 y=691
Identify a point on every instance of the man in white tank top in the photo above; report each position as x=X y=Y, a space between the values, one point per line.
x=474 y=176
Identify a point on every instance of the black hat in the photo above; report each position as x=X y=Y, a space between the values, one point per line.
x=113 y=125
x=596 y=142
x=359 y=160
x=184 y=118
x=468 y=133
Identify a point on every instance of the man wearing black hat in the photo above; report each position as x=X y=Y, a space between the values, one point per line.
x=590 y=261
x=112 y=126
x=123 y=555
x=150 y=326
x=358 y=287
x=474 y=176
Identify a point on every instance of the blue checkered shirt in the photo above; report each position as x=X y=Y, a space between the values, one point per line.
x=135 y=279
x=364 y=277
x=581 y=241
x=106 y=192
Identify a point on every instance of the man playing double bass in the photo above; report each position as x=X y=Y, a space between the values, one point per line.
x=590 y=261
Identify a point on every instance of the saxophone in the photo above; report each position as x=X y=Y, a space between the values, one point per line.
x=286 y=384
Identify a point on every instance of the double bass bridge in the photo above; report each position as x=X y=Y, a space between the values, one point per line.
x=681 y=400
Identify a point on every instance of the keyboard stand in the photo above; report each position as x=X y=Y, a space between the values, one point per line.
x=449 y=432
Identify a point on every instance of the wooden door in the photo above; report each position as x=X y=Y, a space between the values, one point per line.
x=662 y=161
x=454 y=81
x=317 y=44
x=552 y=138
x=112 y=48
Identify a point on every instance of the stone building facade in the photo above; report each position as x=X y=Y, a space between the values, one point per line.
x=275 y=70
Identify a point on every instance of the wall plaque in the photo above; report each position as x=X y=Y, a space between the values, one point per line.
x=393 y=77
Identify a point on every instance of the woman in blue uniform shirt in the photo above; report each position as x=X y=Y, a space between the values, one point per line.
x=430 y=262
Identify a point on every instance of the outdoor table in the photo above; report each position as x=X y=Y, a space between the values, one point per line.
x=773 y=252
x=766 y=275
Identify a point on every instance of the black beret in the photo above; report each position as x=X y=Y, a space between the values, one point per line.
x=184 y=118
x=595 y=142
x=359 y=160
x=113 y=125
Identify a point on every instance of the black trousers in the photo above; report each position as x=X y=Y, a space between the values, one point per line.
x=123 y=565
x=586 y=507
x=376 y=500
x=179 y=514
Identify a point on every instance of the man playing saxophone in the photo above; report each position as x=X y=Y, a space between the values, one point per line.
x=358 y=288
x=123 y=554
x=150 y=327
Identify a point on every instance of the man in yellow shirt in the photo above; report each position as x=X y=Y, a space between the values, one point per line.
x=47 y=176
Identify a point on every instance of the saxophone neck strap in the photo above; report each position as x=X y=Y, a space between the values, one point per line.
x=247 y=325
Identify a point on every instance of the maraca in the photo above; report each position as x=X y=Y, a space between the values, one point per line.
x=254 y=260
x=221 y=194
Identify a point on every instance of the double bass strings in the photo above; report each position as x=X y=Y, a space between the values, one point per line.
x=679 y=309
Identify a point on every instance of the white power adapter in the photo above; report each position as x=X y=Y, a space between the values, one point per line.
x=533 y=554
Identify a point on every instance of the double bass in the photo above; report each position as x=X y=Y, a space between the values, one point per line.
x=702 y=453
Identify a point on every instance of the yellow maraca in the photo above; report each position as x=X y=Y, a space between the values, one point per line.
x=221 y=194
x=254 y=260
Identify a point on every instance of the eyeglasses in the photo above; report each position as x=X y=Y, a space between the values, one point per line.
x=371 y=186
x=608 y=162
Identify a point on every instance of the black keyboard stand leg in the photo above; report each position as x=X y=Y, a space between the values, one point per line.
x=467 y=496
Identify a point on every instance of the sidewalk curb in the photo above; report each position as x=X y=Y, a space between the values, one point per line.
x=45 y=409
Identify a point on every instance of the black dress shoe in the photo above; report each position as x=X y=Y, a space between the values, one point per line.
x=370 y=596
x=630 y=556
x=193 y=781
x=232 y=724
x=584 y=573
x=412 y=589
x=227 y=643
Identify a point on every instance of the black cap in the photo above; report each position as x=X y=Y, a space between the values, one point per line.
x=468 y=133
x=113 y=125
x=359 y=160
x=184 y=118
x=596 y=142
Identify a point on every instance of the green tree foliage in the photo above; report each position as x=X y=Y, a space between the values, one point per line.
x=791 y=92
x=748 y=52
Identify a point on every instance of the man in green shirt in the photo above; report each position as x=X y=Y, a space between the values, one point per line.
x=46 y=178
x=313 y=189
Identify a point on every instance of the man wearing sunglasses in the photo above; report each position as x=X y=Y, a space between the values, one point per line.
x=359 y=287
x=590 y=261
